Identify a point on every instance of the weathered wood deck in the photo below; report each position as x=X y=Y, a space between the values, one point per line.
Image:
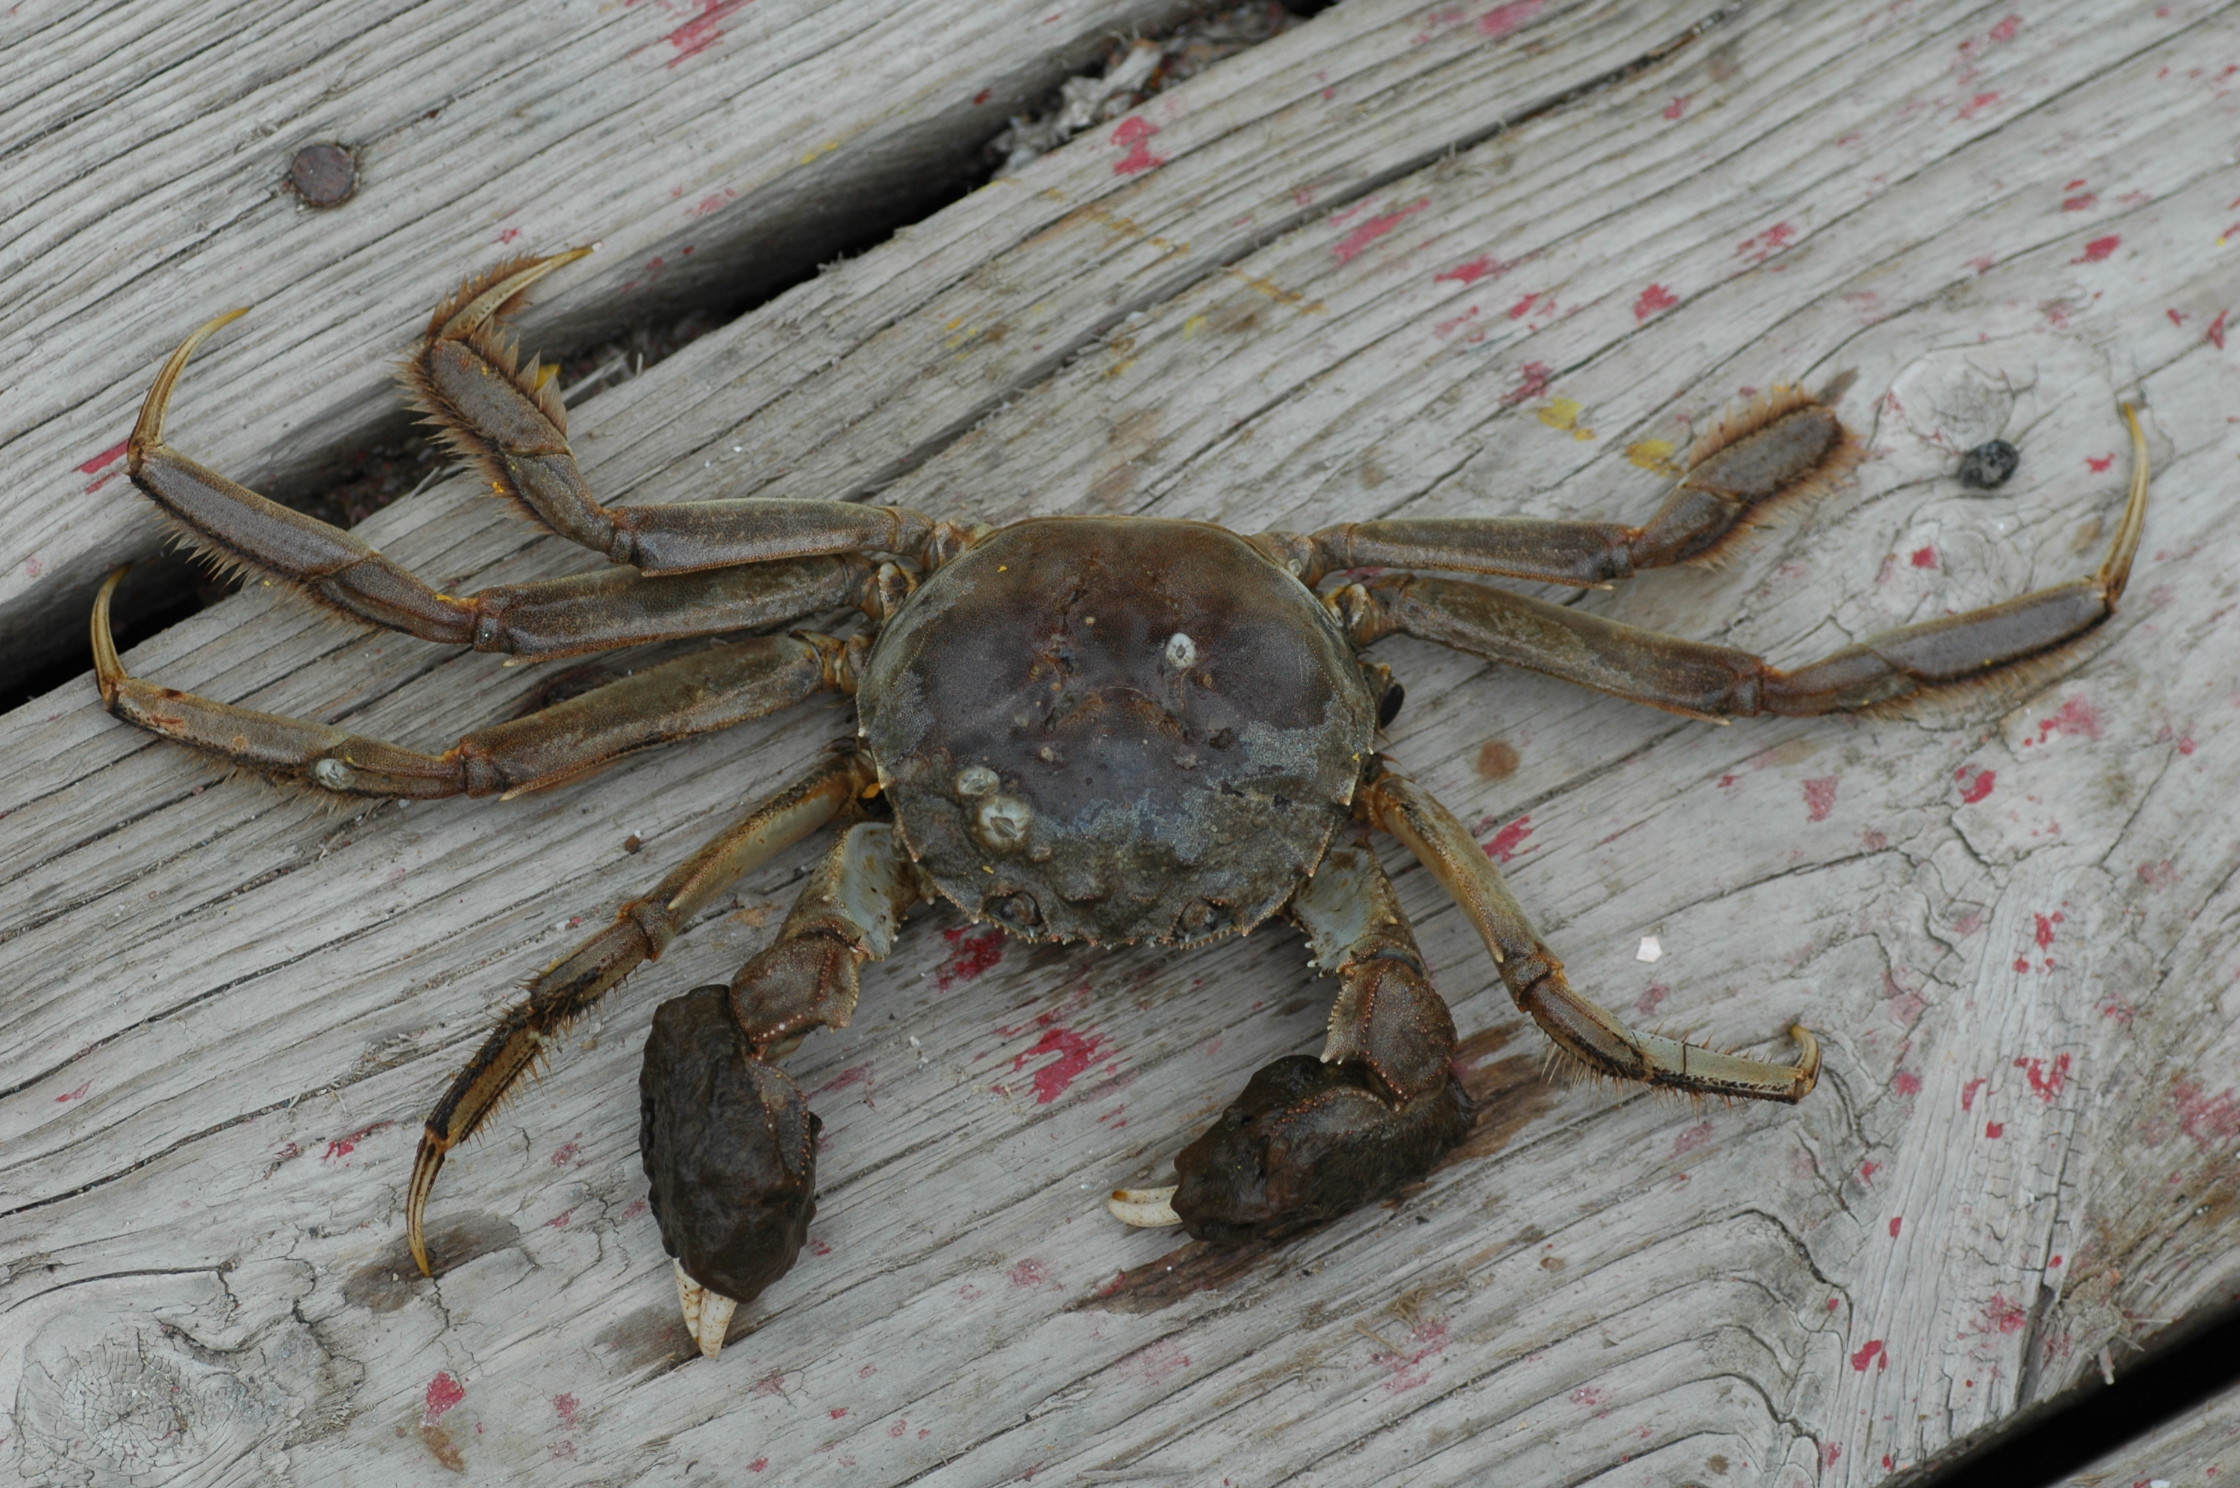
x=1403 y=258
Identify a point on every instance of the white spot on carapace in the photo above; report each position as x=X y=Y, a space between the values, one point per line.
x=1650 y=950
x=1181 y=651
x=1002 y=821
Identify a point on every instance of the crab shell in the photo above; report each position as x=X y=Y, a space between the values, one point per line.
x=1115 y=730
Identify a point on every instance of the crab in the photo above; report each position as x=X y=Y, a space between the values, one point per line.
x=1079 y=729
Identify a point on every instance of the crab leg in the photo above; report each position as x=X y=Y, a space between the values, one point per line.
x=711 y=689
x=1778 y=446
x=727 y=1138
x=640 y=933
x=550 y=617
x=468 y=376
x=1311 y=1139
x=1588 y=1032
x=1708 y=681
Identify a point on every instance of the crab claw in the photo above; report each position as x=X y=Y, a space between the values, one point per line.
x=730 y=1147
x=707 y=1314
x=1145 y=1208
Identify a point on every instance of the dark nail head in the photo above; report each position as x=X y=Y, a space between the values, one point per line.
x=323 y=175
x=1987 y=466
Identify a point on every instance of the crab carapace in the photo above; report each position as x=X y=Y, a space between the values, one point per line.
x=1093 y=730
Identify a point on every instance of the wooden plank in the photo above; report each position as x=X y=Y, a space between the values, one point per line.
x=718 y=150
x=2200 y=1447
x=226 y=991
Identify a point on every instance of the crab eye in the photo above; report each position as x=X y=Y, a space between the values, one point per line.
x=1388 y=706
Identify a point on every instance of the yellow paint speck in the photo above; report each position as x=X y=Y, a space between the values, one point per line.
x=1563 y=413
x=1193 y=325
x=1654 y=455
x=824 y=149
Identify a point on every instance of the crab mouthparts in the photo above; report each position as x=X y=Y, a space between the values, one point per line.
x=707 y=1314
x=1145 y=1208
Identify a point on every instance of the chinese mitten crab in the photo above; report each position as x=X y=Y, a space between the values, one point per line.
x=1099 y=730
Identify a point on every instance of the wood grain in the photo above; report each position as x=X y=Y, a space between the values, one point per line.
x=718 y=150
x=1462 y=281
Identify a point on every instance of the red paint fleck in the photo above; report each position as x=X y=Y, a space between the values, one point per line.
x=1977 y=104
x=1134 y=134
x=1829 y=1452
x=1895 y=1221
x=1888 y=1462
x=2006 y=29
x=1446 y=328
x=1727 y=780
x=344 y=1146
x=2003 y=1315
x=71 y=1095
x=977 y=948
x=1588 y=1396
x=1535 y=384
x=899 y=1427
x=566 y=1152
x=703 y=30
x=109 y=456
x=1653 y=299
x=2083 y=202
x=1411 y=1368
x=2215 y=334
x=1906 y=1082
x=1832 y=1304
x=2054 y=1264
x=2044 y=1083
x=1523 y=307
x=2098 y=249
x=983 y=96
x=2212 y=1121
x=1678 y=106
x=837 y=1412
x=1350 y=246
x=2044 y=932
x=2021 y=963
x=635 y=1208
x=1474 y=270
x=1869 y=1354
x=1994 y=1129
x=854 y=1074
x=1503 y=19
x=565 y=1407
x=1076 y=1052
x=2177 y=317
x=758 y=1464
x=2159 y=875
x=1867 y=1171
x=2185 y=744
x=444 y=1392
x=1924 y=558
x=509 y=235
x=712 y=202
x=1975 y=785
x=560 y=1221
x=1506 y=843
x=2098 y=464
x=820 y=1247
x=1689 y=1140
x=1648 y=1001
x=1968 y=1092
x=2075 y=716
x=1775 y=238
x=1819 y=797
x=1028 y=1273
